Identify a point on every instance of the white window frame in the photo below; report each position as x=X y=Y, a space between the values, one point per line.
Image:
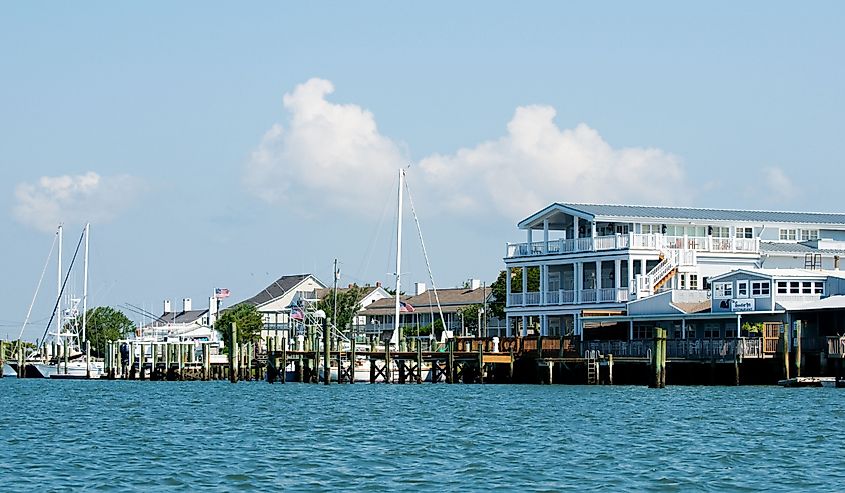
x=651 y=228
x=746 y=232
x=692 y=280
x=740 y=287
x=818 y=287
x=783 y=287
x=788 y=234
x=720 y=232
x=723 y=290
x=809 y=234
x=760 y=289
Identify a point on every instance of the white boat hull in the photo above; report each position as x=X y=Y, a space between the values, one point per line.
x=74 y=369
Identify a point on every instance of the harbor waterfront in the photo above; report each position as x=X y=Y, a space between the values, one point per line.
x=147 y=436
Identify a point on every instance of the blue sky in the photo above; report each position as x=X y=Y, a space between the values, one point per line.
x=225 y=144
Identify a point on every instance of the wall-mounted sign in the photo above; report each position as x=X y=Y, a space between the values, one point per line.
x=742 y=305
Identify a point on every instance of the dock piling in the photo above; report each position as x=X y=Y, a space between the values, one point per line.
x=233 y=355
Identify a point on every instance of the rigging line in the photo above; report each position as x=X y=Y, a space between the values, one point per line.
x=59 y=298
x=373 y=240
x=425 y=255
x=40 y=280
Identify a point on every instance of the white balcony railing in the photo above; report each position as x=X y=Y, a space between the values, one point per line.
x=654 y=241
x=568 y=297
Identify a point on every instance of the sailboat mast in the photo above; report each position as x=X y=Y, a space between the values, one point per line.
x=59 y=289
x=85 y=286
x=397 y=336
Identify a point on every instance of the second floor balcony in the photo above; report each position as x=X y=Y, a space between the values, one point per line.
x=569 y=297
x=633 y=241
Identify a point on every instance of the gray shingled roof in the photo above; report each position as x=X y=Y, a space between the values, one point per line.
x=181 y=317
x=276 y=290
x=702 y=214
x=799 y=248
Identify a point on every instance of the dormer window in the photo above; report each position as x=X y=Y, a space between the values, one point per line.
x=788 y=234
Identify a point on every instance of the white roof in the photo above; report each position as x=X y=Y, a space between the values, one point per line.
x=837 y=301
x=781 y=273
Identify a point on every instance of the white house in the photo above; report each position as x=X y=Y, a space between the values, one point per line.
x=595 y=259
x=274 y=301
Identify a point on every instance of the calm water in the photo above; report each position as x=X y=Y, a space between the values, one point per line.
x=148 y=436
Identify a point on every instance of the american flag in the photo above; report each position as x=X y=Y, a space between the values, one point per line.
x=296 y=313
x=405 y=307
x=221 y=293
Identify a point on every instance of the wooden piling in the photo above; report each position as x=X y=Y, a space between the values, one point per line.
x=271 y=343
x=798 y=331
x=2 y=357
x=658 y=359
x=450 y=366
x=388 y=374
x=233 y=354
x=352 y=359
x=64 y=353
x=419 y=362
x=785 y=343
x=480 y=361
x=327 y=371
x=88 y=359
x=283 y=367
x=610 y=369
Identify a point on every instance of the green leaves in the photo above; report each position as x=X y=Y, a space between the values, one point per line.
x=249 y=323
x=348 y=305
x=104 y=324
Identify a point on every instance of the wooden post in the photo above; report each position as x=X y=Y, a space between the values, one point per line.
x=270 y=347
x=658 y=359
x=419 y=362
x=785 y=338
x=233 y=354
x=206 y=362
x=154 y=362
x=610 y=369
x=88 y=359
x=480 y=361
x=22 y=361
x=388 y=374
x=450 y=366
x=141 y=370
x=352 y=359
x=64 y=353
x=2 y=357
x=283 y=367
x=798 y=324
x=327 y=371
x=736 y=370
x=167 y=360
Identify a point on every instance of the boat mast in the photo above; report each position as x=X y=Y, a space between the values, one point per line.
x=59 y=291
x=397 y=336
x=85 y=286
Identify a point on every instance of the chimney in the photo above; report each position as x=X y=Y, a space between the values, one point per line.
x=474 y=283
x=378 y=284
x=419 y=288
x=166 y=306
x=836 y=262
x=186 y=304
x=350 y=286
x=212 y=311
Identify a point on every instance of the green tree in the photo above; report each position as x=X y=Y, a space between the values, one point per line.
x=104 y=324
x=348 y=305
x=469 y=315
x=248 y=319
x=499 y=288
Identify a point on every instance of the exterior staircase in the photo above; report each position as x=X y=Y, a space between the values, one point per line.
x=663 y=272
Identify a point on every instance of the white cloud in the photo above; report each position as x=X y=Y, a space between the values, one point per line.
x=73 y=199
x=330 y=154
x=537 y=163
x=779 y=184
x=334 y=155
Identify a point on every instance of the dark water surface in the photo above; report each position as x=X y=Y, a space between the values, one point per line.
x=197 y=436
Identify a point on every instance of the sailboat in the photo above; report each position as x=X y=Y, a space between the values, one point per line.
x=65 y=358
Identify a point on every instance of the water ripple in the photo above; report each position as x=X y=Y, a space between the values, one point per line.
x=190 y=436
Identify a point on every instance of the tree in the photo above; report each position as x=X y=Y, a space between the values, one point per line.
x=249 y=322
x=499 y=288
x=469 y=316
x=348 y=305
x=104 y=324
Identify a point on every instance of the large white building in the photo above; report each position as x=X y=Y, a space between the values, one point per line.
x=586 y=260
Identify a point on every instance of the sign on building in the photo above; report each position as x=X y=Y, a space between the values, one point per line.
x=742 y=305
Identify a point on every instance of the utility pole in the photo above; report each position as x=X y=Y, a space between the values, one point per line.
x=334 y=296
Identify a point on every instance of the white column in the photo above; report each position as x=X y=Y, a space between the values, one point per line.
x=529 y=238
x=683 y=328
x=631 y=330
x=524 y=284
x=575 y=234
x=617 y=276
x=642 y=267
x=545 y=236
x=544 y=282
x=508 y=329
x=631 y=276
x=544 y=325
x=577 y=281
x=598 y=278
x=508 y=285
x=524 y=326
x=593 y=233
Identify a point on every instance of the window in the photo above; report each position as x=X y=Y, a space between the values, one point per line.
x=720 y=232
x=691 y=332
x=806 y=287
x=782 y=289
x=742 y=289
x=651 y=228
x=711 y=331
x=818 y=287
x=722 y=289
x=643 y=331
x=730 y=331
x=760 y=288
x=788 y=234
x=622 y=229
x=693 y=281
x=794 y=287
x=683 y=278
x=809 y=234
x=745 y=232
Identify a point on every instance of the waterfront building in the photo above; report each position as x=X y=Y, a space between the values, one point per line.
x=274 y=301
x=419 y=310
x=582 y=262
x=186 y=324
x=369 y=295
